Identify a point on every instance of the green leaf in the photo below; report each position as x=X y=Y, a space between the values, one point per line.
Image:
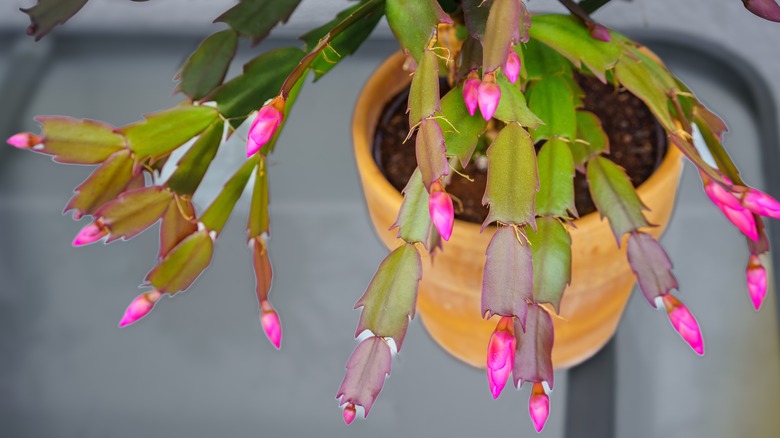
x=134 y=211
x=569 y=37
x=414 y=23
x=414 y=220
x=105 y=184
x=161 y=133
x=507 y=281
x=183 y=264
x=589 y=131
x=75 y=141
x=205 y=69
x=502 y=31
x=551 y=248
x=556 y=180
x=258 y=212
x=261 y=80
x=256 y=18
x=460 y=143
x=719 y=153
x=175 y=226
x=541 y=61
x=638 y=79
x=512 y=179
x=424 y=91
x=512 y=106
x=431 y=153
x=345 y=43
x=390 y=299
x=48 y=13
x=552 y=101
x=615 y=197
x=193 y=165
x=220 y=209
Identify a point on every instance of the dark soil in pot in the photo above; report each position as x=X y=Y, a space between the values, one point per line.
x=637 y=143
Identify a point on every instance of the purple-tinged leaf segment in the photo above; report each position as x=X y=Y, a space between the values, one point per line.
x=766 y=9
x=441 y=211
x=414 y=219
x=259 y=218
x=651 y=265
x=161 y=133
x=134 y=211
x=592 y=140
x=552 y=101
x=105 y=184
x=414 y=23
x=502 y=31
x=192 y=167
x=424 y=98
x=255 y=18
x=262 y=267
x=206 y=68
x=556 y=180
x=512 y=106
x=539 y=406
x=684 y=323
x=512 y=179
x=48 y=13
x=500 y=355
x=615 y=197
x=475 y=14
x=75 y=141
x=431 y=152
x=756 y=281
x=90 y=234
x=183 y=264
x=272 y=327
x=533 y=360
x=178 y=222
x=461 y=129
x=508 y=277
x=689 y=150
x=367 y=368
x=219 y=211
x=551 y=250
x=140 y=307
x=389 y=302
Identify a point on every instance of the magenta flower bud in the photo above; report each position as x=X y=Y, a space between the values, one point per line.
x=271 y=324
x=501 y=355
x=720 y=196
x=24 y=140
x=441 y=210
x=488 y=95
x=470 y=92
x=264 y=127
x=756 y=281
x=90 y=234
x=512 y=66
x=599 y=32
x=743 y=219
x=349 y=413
x=761 y=204
x=684 y=323
x=140 y=307
x=539 y=406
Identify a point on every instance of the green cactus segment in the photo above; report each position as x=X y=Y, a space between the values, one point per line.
x=134 y=211
x=348 y=41
x=461 y=130
x=219 y=211
x=639 y=80
x=556 y=180
x=543 y=61
x=178 y=222
x=722 y=158
x=261 y=80
x=572 y=39
x=160 y=133
x=259 y=218
x=431 y=152
x=103 y=185
x=75 y=141
x=183 y=264
x=502 y=30
x=551 y=249
x=591 y=139
x=206 y=68
x=512 y=107
x=512 y=179
x=615 y=197
x=552 y=100
x=424 y=97
x=414 y=23
x=256 y=18
x=414 y=221
x=389 y=301
x=192 y=167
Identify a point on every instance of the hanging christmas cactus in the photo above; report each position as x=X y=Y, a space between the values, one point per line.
x=512 y=101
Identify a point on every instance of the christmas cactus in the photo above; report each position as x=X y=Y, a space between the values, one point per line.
x=512 y=86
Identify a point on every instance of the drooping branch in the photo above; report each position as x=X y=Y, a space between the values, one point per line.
x=591 y=6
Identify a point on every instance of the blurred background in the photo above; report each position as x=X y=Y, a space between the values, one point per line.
x=200 y=365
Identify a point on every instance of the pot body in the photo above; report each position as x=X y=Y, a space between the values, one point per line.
x=450 y=291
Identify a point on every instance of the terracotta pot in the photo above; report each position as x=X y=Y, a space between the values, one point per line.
x=449 y=296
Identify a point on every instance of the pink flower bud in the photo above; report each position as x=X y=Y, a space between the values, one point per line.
x=470 y=92
x=90 y=234
x=488 y=96
x=743 y=219
x=684 y=323
x=756 y=281
x=539 y=406
x=512 y=66
x=264 y=127
x=599 y=32
x=24 y=140
x=140 y=307
x=718 y=195
x=441 y=210
x=761 y=204
x=349 y=413
x=501 y=355
x=271 y=324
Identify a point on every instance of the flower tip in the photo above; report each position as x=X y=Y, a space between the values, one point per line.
x=470 y=93
x=488 y=96
x=90 y=234
x=600 y=33
x=140 y=307
x=349 y=413
x=442 y=212
x=539 y=407
x=23 y=140
x=684 y=323
x=271 y=324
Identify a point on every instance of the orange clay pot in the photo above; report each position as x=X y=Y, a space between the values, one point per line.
x=449 y=295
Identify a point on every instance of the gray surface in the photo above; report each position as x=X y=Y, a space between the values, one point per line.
x=200 y=365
